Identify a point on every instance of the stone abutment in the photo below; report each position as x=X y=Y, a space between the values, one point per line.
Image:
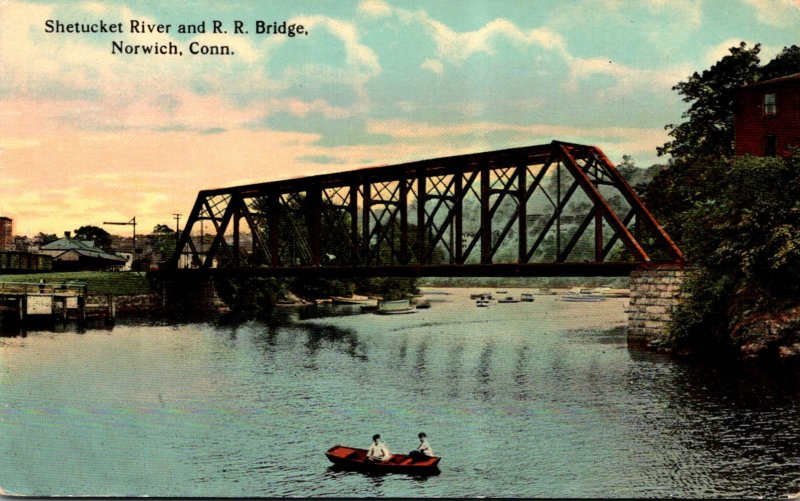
x=655 y=292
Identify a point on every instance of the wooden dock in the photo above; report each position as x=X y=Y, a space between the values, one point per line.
x=46 y=301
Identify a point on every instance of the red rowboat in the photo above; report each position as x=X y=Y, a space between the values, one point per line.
x=356 y=459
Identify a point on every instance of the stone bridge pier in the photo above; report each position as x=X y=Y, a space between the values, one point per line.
x=190 y=296
x=655 y=292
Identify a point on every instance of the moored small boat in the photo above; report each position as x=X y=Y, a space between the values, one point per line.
x=289 y=302
x=585 y=295
x=354 y=300
x=356 y=459
x=395 y=307
x=508 y=299
x=526 y=297
x=482 y=303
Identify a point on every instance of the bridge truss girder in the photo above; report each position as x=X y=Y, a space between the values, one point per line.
x=522 y=211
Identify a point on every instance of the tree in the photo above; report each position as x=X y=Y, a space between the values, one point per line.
x=163 y=240
x=785 y=63
x=742 y=233
x=44 y=238
x=162 y=229
x=707 y=136
x=709 y=128
x=99 y=236
x=708 y=132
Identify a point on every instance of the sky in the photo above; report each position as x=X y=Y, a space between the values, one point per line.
x=88 y=135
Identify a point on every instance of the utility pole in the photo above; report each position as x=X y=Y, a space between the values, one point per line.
x=177 y=226
x=177 y=231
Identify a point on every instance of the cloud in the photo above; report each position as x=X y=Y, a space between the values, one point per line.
x=433 y=65
x=720 y=50
x=777 y=13
x=628 y=79
x=455 y=47
x=357 y=54
x=374 y=9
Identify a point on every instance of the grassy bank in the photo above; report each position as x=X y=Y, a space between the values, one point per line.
x=97 y=282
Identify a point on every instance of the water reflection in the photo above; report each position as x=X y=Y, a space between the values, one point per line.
x=455 y=366
x=483 y=371
x=733 y=426
x=522 y=381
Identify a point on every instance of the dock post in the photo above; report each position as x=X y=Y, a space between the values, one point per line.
x=82 y=308
x=110 y=310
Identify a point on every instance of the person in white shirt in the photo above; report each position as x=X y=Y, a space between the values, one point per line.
x=377 y=450
x=423 y=451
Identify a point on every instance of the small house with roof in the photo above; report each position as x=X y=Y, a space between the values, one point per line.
x=767 y=117
x=70 y=254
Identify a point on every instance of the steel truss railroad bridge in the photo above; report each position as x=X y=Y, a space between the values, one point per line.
x=557 y=209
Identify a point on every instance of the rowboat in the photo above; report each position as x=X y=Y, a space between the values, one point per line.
x=354 y=300
x=356 y=459
x=585 y=295
x=397 y=307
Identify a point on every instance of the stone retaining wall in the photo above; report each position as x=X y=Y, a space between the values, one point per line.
x=654 y=294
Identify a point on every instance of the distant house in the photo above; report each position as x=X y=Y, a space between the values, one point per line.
x=767 y=117
x=71 y=254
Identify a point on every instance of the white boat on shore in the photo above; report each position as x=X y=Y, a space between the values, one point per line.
x=397 y=307
x=584 y=295
x=609 y=292
x=354 y=300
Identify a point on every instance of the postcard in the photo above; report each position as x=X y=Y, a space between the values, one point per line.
x=385 y=248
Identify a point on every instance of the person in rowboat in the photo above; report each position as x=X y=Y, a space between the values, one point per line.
x=377 y=450
x=424 y=450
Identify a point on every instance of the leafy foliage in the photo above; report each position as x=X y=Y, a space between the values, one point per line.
x=99 y=236
x=708 y=130
x=740 y=226
x=163 y=240
x=44 y=238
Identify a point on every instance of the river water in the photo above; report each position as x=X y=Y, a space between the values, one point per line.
x=538 y=399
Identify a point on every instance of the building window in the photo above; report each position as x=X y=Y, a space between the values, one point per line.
x=770 y=145
x=770 y=105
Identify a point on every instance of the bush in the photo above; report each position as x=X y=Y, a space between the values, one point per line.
x=739 y=222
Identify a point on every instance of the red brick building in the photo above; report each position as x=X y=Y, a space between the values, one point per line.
x=6 y=234
x=767 y=117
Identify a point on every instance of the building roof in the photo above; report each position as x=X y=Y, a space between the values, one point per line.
x=81 y=247
x=788 y=78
